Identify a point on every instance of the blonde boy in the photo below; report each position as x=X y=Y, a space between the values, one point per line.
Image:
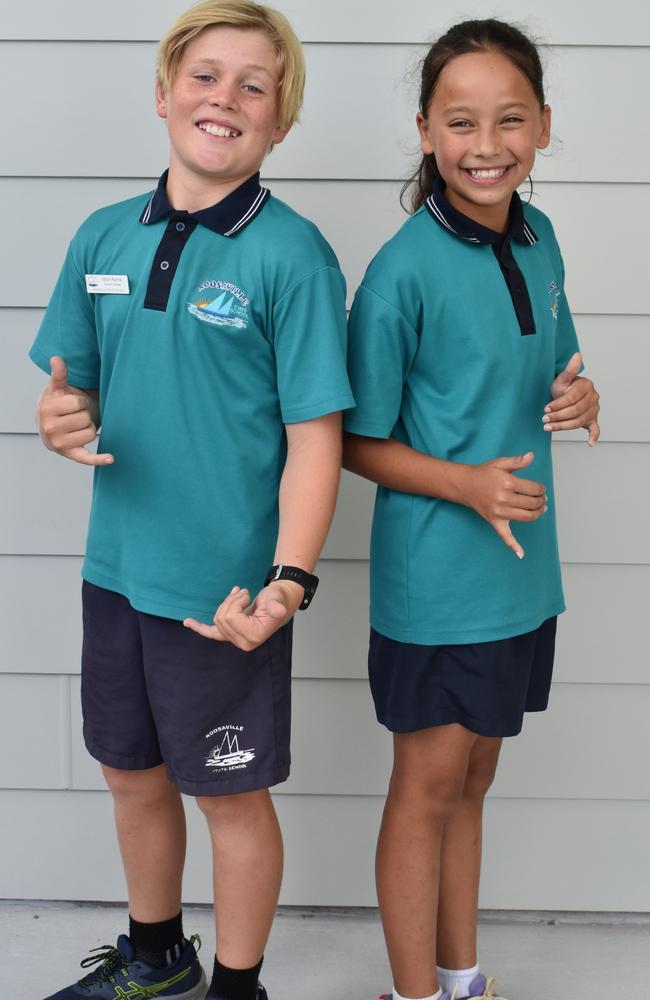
x=204 y=323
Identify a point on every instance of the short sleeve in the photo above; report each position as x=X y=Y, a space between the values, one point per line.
x=310 y=340
x=382 y=345
x=68 y=328
x=566 y=338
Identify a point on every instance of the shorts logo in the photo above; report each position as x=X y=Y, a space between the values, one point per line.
x=220 y=303
x=555 y=293
x=226 y=755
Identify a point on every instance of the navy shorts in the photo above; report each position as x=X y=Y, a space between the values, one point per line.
x=484 y=686
x=153 y=692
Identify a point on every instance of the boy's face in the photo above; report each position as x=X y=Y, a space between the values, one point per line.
x=222 y=107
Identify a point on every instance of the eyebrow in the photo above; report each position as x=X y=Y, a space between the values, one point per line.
x=506 y=104
x=245 y=69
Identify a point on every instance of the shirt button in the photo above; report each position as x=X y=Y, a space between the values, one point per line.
x=164 y=265
x=180 y=226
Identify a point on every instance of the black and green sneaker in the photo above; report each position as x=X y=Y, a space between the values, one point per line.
x=121 y=976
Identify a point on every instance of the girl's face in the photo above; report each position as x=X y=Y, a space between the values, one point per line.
x=483 y=125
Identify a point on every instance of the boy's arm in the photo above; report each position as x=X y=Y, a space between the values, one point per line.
x=307 y=498
x=68 y=417
x=491 y=488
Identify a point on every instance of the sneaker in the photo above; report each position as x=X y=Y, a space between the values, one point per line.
x=481 y=988
x=445 y=996
x=120 y=974
x=261 y=994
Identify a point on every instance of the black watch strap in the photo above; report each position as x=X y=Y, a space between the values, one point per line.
x=306 y=580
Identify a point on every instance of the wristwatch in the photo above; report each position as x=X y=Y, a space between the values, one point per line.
x=306 y=580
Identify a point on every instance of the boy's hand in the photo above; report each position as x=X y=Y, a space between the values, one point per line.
x=574 y=403
x=499 y=497
x=65 y=422
x=248 y=625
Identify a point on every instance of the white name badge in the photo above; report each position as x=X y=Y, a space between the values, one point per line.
x=107 y=284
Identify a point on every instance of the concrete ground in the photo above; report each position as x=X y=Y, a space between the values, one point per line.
x=325 y=955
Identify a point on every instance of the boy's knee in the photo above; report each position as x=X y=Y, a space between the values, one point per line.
x=233 y=809
x=146 y=787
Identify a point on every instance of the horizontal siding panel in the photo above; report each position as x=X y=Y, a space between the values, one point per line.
x=582 y=23
x=343 y=133
x=618 y=373
x=606 y=485
x=45 y=504
x=34 y=731
x=616 y=351
x=338 y=748
x=554 y=852
x=603 y=276
x=598 y=640
x=338 y=21
x=46 y=590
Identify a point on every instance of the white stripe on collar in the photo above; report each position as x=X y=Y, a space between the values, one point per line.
x=147 y=211
x=258 y=201
x=437 y=211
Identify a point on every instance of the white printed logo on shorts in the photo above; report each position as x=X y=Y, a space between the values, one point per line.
x=227 y=755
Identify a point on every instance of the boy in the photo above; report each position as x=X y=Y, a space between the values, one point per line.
x=205 y=324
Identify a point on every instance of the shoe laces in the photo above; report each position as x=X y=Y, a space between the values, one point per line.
x=110 y=958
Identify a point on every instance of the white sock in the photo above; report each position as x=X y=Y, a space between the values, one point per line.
x=398 y=996
x=458 y=978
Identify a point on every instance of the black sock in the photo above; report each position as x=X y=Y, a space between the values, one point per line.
x=234 y=984
x=157 y=944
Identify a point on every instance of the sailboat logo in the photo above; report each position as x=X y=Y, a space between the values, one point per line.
x=227 y=754
x=225 y=308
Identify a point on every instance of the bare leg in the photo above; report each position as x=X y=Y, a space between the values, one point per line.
x=428 y=777
x=248 y=858
x=460 y=861
x=150 y=824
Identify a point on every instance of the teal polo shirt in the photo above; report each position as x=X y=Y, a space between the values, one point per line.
x=455 y=336
x=233 y=326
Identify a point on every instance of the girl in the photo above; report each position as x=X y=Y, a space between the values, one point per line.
x=463 y=359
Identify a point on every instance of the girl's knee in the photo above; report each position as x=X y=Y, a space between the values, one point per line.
x=481 y=771
x=432 y=797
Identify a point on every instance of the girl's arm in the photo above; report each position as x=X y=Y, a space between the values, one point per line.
x=490 y=489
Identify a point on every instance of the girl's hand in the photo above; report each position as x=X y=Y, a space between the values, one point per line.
x=248 y=625
x=499 y=497
x=574 y=403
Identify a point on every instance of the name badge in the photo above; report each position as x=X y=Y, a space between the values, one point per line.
x=107 y=284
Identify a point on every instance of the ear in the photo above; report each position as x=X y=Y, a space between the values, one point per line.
x=161 y=101
x=545 y=128
x=425 y=142
x=280 y=135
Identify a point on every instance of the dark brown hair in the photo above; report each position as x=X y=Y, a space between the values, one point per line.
x=463 y=38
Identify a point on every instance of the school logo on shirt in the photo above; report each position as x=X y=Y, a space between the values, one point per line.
x=220 y=303
x=555 y=293
x=227 y=755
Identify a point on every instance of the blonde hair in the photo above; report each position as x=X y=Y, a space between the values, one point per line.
x=250 y=16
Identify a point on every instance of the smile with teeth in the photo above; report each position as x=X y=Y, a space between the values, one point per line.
x=491 y=174
x=220 y=130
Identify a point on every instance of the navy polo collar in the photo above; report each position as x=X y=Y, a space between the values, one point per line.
x=228 y=217
x=467 y=229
